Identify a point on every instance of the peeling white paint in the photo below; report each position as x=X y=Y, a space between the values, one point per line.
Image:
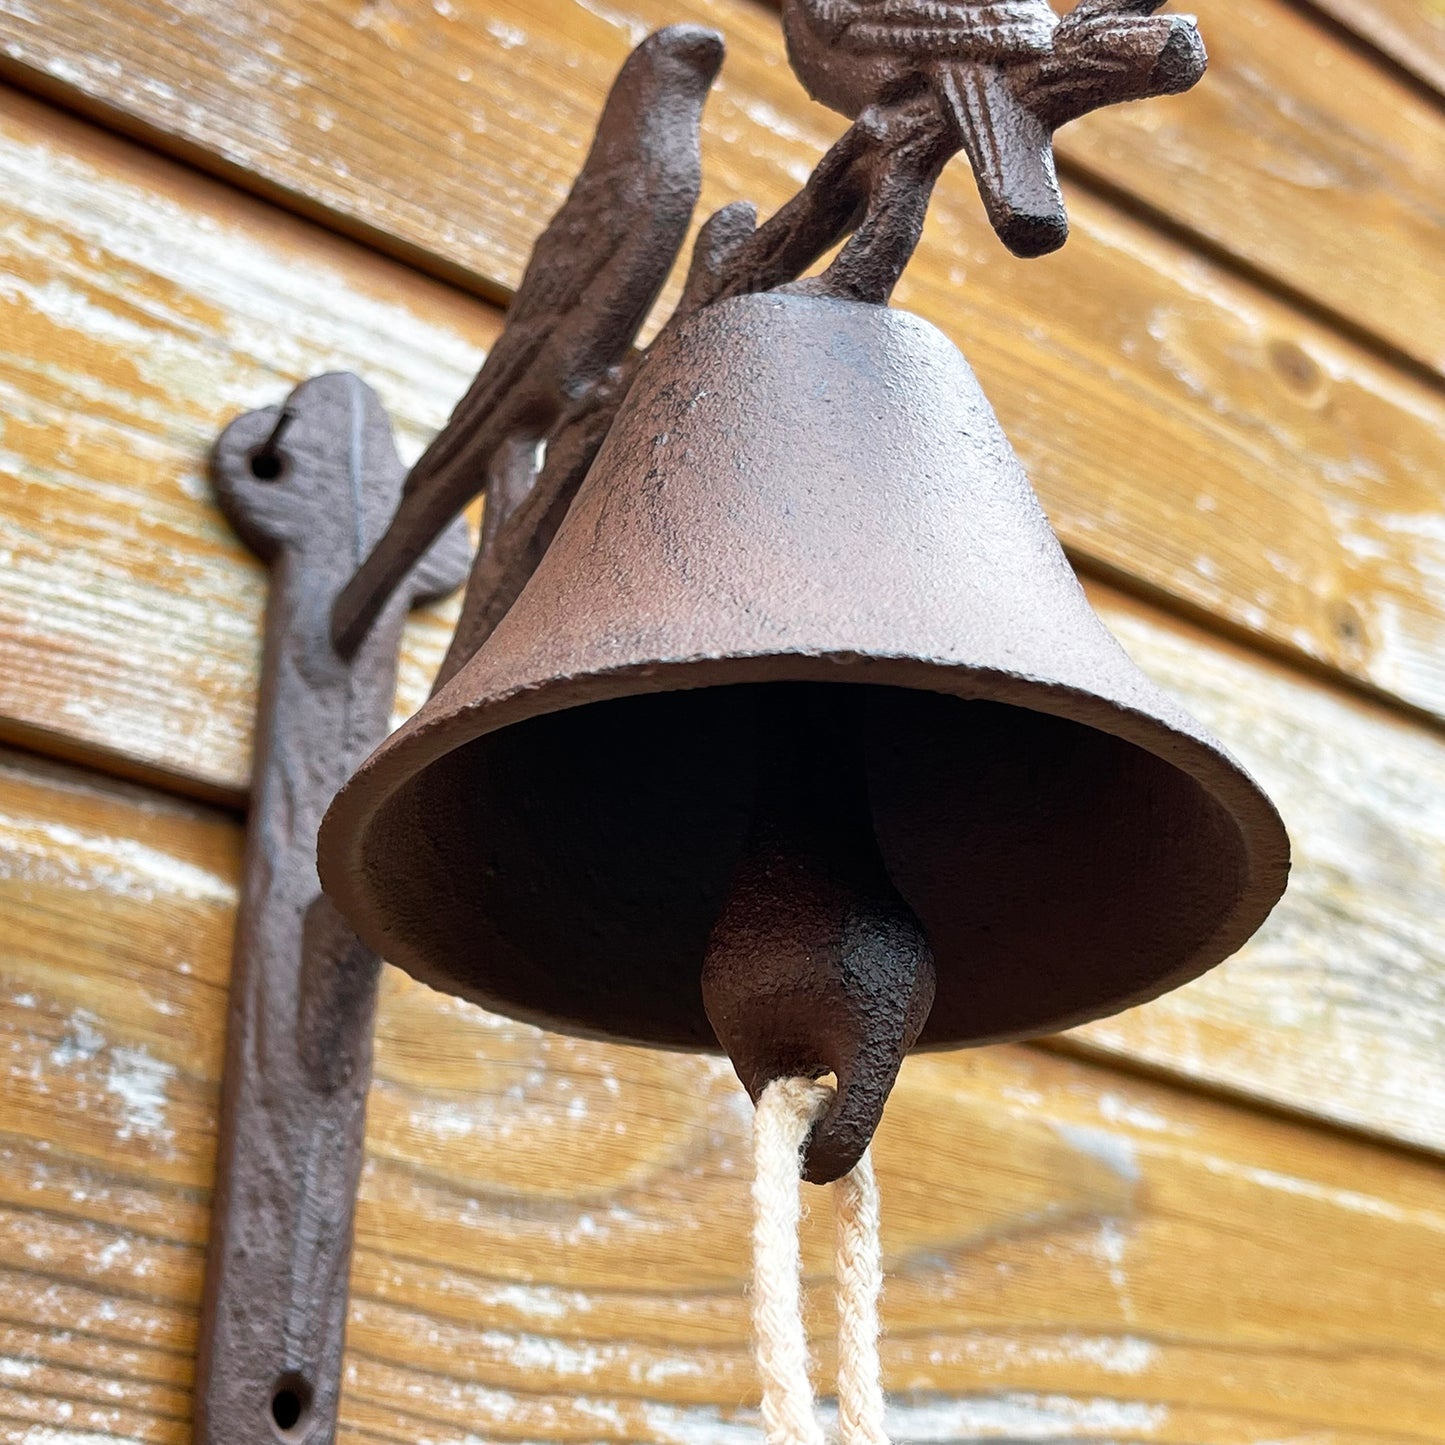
x=81 y=1042
x=635 y=30
x=1119 y=1110
x=1021 y=1417
x=139 y=1081
x=994 y=1355
x=115 y=1250
x=539 y=1302
x=49 y=1435
x=272 y=328
x=133 y=1077
x=509 y=37
x=937 y=1420
x=1354 y=953
x=41 y=851
x=760 y=112
x=1351 y=1200
x=1114 y=1151
x=1109 y=1247
x=699 y=1425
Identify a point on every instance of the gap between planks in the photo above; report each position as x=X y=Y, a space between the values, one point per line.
x=1296 y=110
x=1033 y=1207
x=1425 y=76
x=1386 y=646
x=1324 y=701
x=471 y=282
x=1307 y=305
x=208 y=164
x=1085 y=178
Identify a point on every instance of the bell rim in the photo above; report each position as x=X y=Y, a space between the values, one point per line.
x=442 y=727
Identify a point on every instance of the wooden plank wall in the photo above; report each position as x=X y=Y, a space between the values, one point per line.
x=1218 y=1220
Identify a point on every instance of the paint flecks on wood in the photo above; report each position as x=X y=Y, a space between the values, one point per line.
x=553 y=1233
x=1333 y=154
x=1334 y=1011
x=132 y=614
x=1364 y=794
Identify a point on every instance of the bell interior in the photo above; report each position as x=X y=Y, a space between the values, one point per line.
x=568 y=869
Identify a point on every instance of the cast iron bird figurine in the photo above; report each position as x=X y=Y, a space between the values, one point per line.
x=1003 y=75
x=594 y=276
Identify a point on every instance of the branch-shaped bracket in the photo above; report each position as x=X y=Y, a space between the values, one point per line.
x=309 y=488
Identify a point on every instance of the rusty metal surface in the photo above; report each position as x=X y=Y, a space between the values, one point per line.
x=308 y=488
x=497 y=861
x=802 y=490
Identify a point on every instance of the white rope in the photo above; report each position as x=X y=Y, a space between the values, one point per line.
x=860 y=1283
x=785 y=1114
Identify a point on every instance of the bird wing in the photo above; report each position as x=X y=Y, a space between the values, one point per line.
x=934 y=29
x=566 y=263
x=608 y=200
x=592 y=277
x=1011 y=151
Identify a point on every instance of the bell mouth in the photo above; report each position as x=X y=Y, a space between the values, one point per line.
x=561 y=854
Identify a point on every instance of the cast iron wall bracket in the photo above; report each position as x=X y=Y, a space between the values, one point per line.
x=309 y=488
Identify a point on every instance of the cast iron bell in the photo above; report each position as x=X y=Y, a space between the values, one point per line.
x=804 y=689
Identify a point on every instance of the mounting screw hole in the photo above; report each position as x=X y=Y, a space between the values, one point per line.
x=267 y=466
x=291 y=1406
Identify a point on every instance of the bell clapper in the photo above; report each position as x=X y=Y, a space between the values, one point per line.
x=816 y=964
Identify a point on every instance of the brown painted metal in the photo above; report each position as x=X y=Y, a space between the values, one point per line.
x=804 y=496
x=308 y=488
x=816 y=964
x=776 y=718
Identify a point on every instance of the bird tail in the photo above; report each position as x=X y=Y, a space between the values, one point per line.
x=420 y=516
x=1012 y=155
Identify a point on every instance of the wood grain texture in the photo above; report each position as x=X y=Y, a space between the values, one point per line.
x=139 y=316
x=1410 y=32
x=1297 y=156
x=552 y=1234
x=1184 y=432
